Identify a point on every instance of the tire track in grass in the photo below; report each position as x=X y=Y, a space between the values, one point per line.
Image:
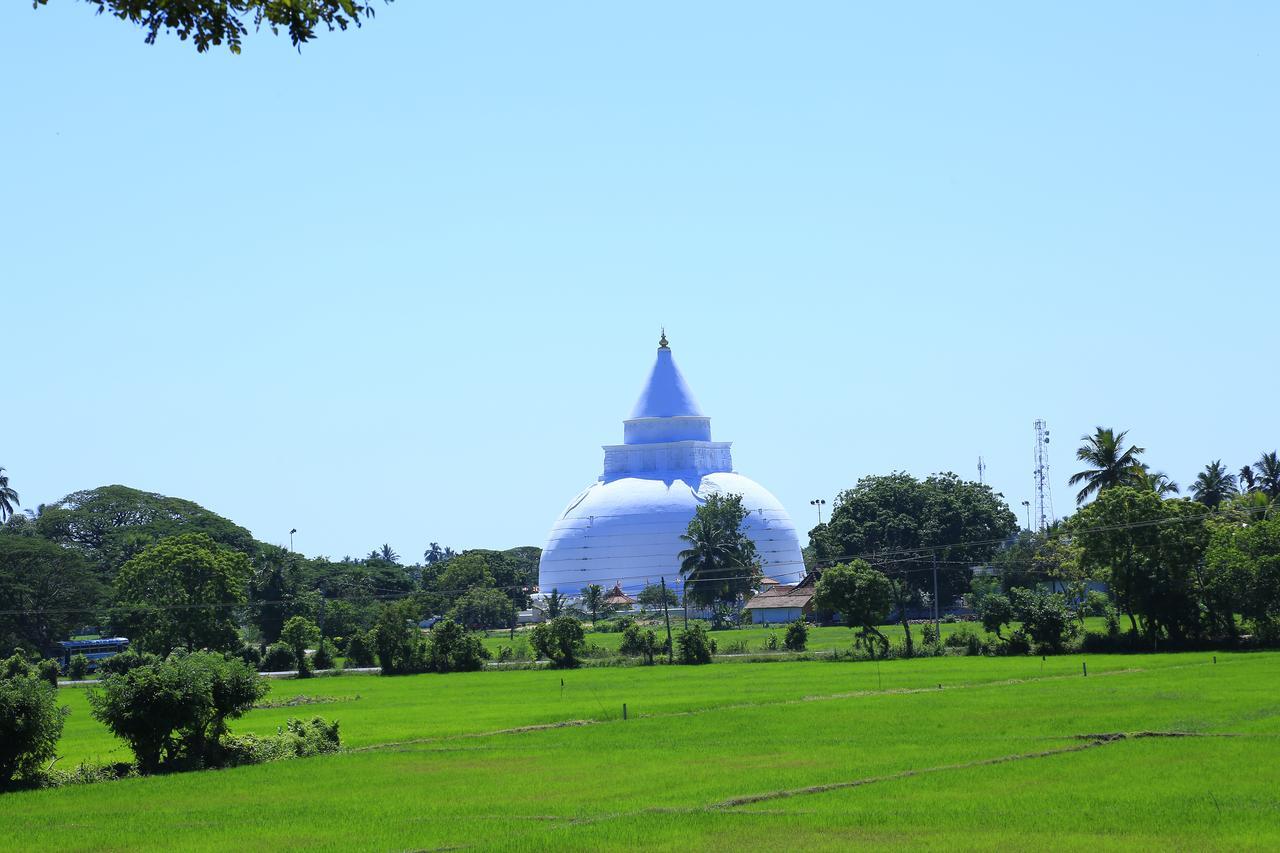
x=728 y=806
x=1090 y=741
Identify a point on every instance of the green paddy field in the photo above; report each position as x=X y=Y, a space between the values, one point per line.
x=1168 y=751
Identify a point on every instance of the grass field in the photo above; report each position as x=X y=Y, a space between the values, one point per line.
x=968 y=753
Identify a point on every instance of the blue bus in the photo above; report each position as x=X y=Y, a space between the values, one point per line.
x=95 y=650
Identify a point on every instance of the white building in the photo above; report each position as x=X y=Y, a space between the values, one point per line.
x=625 y=528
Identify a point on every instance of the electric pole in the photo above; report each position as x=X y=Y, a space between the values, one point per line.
x=666 y=614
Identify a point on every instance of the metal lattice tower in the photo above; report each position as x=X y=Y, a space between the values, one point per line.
x=1044 y=492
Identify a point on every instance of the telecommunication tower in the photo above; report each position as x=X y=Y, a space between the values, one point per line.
x=1044 y=492
x=982 y=469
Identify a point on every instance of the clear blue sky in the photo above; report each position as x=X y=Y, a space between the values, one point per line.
x=401 y=287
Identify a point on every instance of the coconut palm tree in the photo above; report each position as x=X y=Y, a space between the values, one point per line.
x=1113 y=464
x=1213 y=485
x=1267 y=469
x=1248 y=482
x=8 y=497
x=1158 y=482
x=593 y=599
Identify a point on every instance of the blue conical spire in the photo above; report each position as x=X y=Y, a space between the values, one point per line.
x=665 y=394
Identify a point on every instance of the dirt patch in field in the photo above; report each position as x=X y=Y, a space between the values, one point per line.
x=562 y=724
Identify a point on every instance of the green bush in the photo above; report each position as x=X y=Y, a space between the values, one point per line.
x=78 y=668
x=1046 y=620
x=16 y=665
x=964 y=638
x=797 y=637
x=323 y=658
x=694 y=645
x=640 y=642
x=559 y=641
x=1017 y=644
x=399 y=644
x=299 y=633
x=359 y=650
x=173 y=713
x=452 y=648
x=1096 y=603
x=929 y=634
x=49 y=670
x=125 y=661
x=279 y=658
x=249 y=654
x=30 y=724
x=295 y=739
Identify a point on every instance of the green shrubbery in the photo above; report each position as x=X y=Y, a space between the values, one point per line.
x=360 y=651
x=295 y=739
x=30 y=721
x=694 y=645
x=173 y=713
x=559 y=641
x=797 y=637
x=641 y=642
x=279 y=658
x=78 y=668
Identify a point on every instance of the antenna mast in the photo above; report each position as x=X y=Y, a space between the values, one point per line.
x=982 y=469
x=1044 y=492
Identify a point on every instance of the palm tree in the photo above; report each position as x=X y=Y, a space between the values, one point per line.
x=1248 y=482
x=1213 y=485
x=593 y=598
x=1267 y=469
x=555 y=604
x=388 y=553
x=1112 y=465
x=1157 y=481
x=718 y=563
x=8 y=497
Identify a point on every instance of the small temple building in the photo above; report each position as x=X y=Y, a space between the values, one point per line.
x=624 y=529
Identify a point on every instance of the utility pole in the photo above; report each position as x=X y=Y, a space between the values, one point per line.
x=666 y=614
x=936 y=628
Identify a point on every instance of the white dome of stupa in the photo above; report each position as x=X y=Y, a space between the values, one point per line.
x=625 y=528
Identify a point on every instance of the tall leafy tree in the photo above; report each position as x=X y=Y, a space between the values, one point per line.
x=720 y=564
x=8 y=497
x=1112 y=464
x=1214 y=484
x=182 y=592
x=862 y=596
x=900 y=524
x=1150 y=549
x=53 y=589
x=211 y=23
x=111 y=524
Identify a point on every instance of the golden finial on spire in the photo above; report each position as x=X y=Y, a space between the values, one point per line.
x=662 y=341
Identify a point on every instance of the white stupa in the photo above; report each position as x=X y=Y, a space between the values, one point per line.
x=625 y=528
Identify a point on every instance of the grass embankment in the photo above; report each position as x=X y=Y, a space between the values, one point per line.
x=821 y=638
x=710 y=755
